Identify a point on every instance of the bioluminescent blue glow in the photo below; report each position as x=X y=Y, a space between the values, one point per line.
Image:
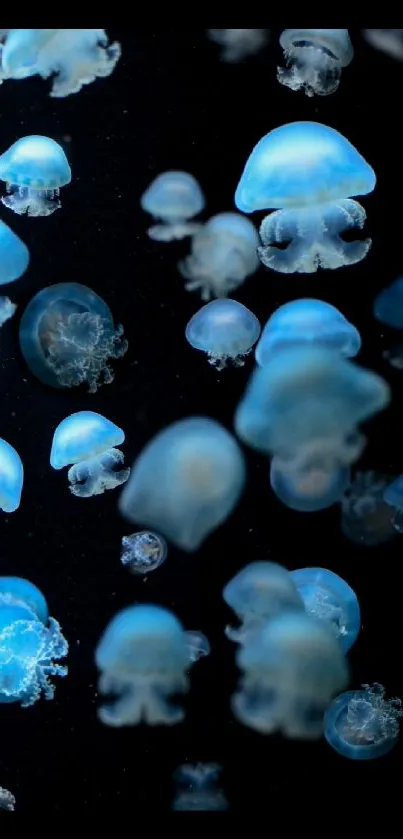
x=14 y=255
x=11 y=477
x=312 y=486
x=393 y=496
x=366 y=518
x=34 y=168
x=238 y=44
x=314 y=59
x=7 y=310
x=198 y=789
x=388 y=305
x=197 y=644
x=362 y=724
x=225 y=330
x=328 y=597
x=143 y=552
x=174 y=198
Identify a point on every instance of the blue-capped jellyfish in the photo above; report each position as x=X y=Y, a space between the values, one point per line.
x=73 y=57
x=308 y=173
x=143 y=552
x=34 y=169
x=366 y=518
x=30 y=643
x=314 y=59
x=88 y=441
x=225 y=330
x=307 y=322
x=328 y=597
x=238 y=44
x=186 y=482
x=11 y=477
x=14 y=255
x=290 y=672
x=198 y=789
x=223 y=254
x=362 y=724
x=389 y=41
x=174 y=198
x=7 y=800
x=314 y=485
x=68 y=337
x=7 y=310
x=143 y=659
x=393 y=496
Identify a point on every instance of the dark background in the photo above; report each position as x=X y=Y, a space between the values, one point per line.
x=171 y=104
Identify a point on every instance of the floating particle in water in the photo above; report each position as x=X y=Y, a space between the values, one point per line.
x=143 y=552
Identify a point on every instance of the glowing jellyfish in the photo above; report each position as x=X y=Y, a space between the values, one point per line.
x=30 y=642
x=238 y=44
x=312 y=486
x=143 y=658
x=198 y=789
x=291 y=670
x=224 y=253
x=306 y=323
x=393 y=496
x=7 y=310
x=328 y=597
x=174 y=198
x=198 y=645
x=362 y=724
x=143 y=552
x=14 y=255
x=225 y=330
x=257 y=594
x=386 y=40
x=88 y=441
x=68 y=337
x=388 y=305
x=7 y=800
x=11 y=477
x=314 y=59
x=186 y=482
x=307 y=171
x=366 y=518
x=34 y=168
x=73 y=57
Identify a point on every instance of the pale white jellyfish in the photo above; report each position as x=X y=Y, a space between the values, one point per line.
x=239 y=43
x=314 y=59
x=386 y=40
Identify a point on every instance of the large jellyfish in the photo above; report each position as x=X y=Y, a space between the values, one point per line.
x=314 y=59
x=291 y=670
x=225 y=330
x=198 y=789
x=88 y=441
x=174 y=198
x=73 y=57
x=186 y=481
x=68 y=337
x=386 y=40
x=328 y=597
x=238 y=44
x=30 y=642
x=307 y=171
x=362 y=724
x=11 y=477
x=34 y=168
x=366 y=517
x=223 y=254
x=14 y=255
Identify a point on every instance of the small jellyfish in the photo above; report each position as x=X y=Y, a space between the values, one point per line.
x=198 y=789
x=308 y=173
x=143 y=658
x=223 y=254
x=11 y=477
x=88 y=440
x=238 y=44
x=393 y=496
x=257 y=594
x=388 y=305
x=174 y=198
x=314 y=59
x=68 y=337
x=7 y=800
x=143 y=552
x=34 y=168
x=186 y=482
x=30 y=642
x=386 y=40
x=14 y=255
x=7 y=310
x=198 y=645
x=366 y=518
x=307 y=322
x=328 y=597
x=362 y=724
x=225 y=330
x=315 y=485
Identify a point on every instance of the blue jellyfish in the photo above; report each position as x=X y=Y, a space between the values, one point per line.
x=257 y=594
x=198 y=646
x=393 y=496
x=314 y=59
x=290 y=672
x=310 y=487
x=198 y=789
x=7 y=310
x=88 y=441
x=143 y=659
x=307 y=322
x=186 y=481
x=67 y=337
x=11 y=477
x=7 y=800
x=238 y=44
x=225 y=330
x=328 y=597
x=73 y=57
x=143 y=552
x=362 y=724
x=34 y=168
x=30 y=642
x=366 y=518
x=389 y=41
x=388 y=305
x=223 y=254
x=174 y=198
x=14 y=255
x=307 y=171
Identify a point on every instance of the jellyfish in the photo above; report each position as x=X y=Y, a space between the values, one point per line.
x=225 y=330
x=186 y=482
x=7 y=800
x=11 y=477
x=308 y=173
x=198 y=646
x=143 y=659
x=174 y=198
x=143 y=552
x=389 y=41
x=329 y=598
x=67 y=337
x=223 y=254
x=198 y=789
x=14 y=255
x=73 y=57
x=388 y=309
x=34 y=168
x=307 y=322
x=238 y=44
x=314 y=59
x=30 y=642
x=362 y=724
x=366 y=517
x=7 y=310
x=313 y=486
x=290 y=672
x=88 y=441
x=393 y=496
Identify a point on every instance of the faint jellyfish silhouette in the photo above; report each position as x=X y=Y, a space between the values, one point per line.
x=393 y=496
x=88 y=441
x=68 y=337
x=198 y=789
x=14 y=255
x=366 y=518
x=386 y=40
x=328 y=597
x=388 y=305
x=34 y=168
x=314 y=485
x=314 y=59
x=223 y=254
x=174 y=198
x=197 y=644
x=312 y=212
x=238 y=44
x=7 y=800
x=7 y=310
x=143 y=552
x=11 y=477
x=225 y=330
x=362 y=724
